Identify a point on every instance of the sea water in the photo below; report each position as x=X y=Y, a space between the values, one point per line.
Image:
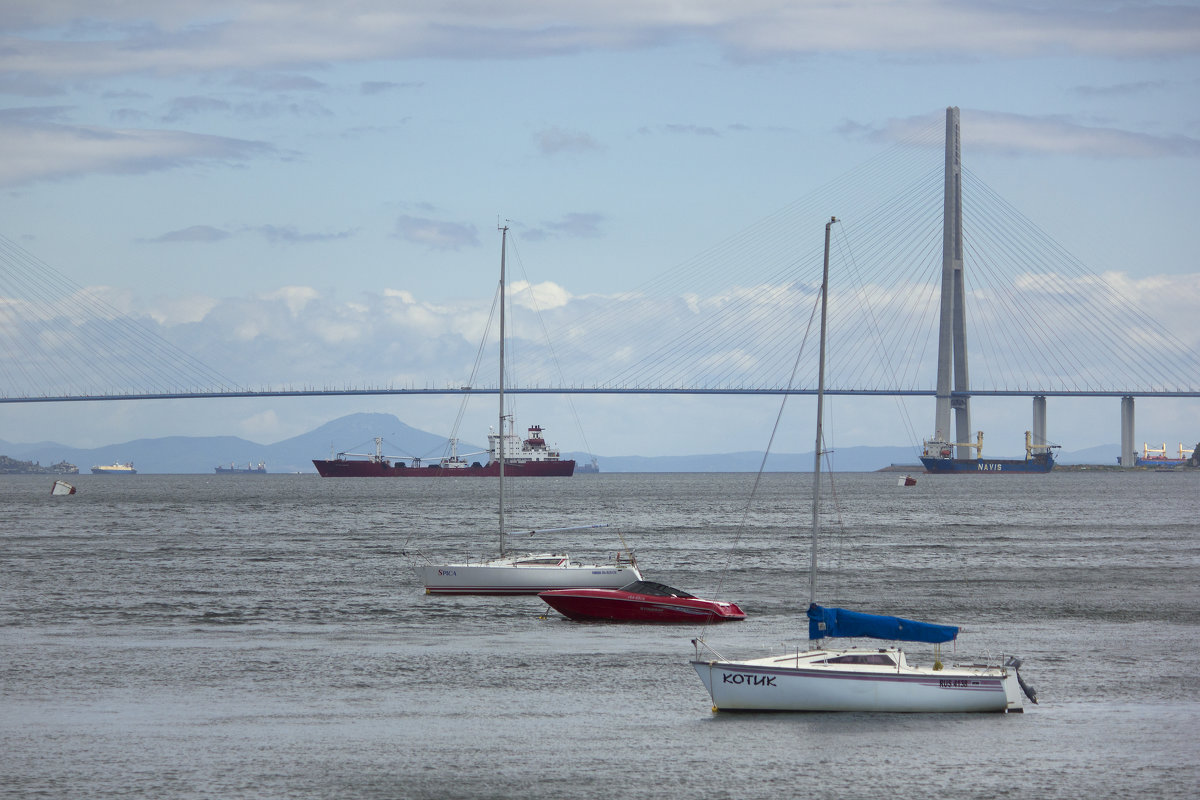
x=265 y=637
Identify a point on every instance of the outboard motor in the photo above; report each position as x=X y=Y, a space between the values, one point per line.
x=1029 y=691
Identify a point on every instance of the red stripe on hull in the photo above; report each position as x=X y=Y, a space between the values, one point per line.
x=618 y=606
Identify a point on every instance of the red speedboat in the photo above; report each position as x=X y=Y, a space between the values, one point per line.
x=640 y=601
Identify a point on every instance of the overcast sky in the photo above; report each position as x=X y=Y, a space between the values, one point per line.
x=265 y=171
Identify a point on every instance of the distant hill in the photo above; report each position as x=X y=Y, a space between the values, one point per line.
x=1106 y=454
x=200 y=454
x=356 y=433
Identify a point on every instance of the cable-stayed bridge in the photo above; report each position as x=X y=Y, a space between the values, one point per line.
x=730 y=320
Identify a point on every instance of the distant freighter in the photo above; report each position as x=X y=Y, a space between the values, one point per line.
x=938 y=458
x=528 y=458
x=234 y=469
x=114 y=469
x=1157 y=457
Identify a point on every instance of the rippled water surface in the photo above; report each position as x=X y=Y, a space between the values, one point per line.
x=205 y=636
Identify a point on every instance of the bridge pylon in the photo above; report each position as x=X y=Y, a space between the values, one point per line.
x=952 y=374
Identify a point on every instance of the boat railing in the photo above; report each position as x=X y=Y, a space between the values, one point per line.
x=699 y=643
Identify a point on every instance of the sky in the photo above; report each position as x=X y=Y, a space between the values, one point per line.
x=276 y=178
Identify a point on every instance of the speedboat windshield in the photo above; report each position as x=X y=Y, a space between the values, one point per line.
x=657 y=589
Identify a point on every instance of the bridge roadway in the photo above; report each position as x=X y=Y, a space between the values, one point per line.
x=598 y=390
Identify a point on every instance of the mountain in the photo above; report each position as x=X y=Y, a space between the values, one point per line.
x=200 y=454
x=356 y=433
x=1105 y=454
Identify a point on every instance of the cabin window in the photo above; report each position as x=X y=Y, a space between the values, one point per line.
x=652 y=588
x=876 y=659
x=541 y=562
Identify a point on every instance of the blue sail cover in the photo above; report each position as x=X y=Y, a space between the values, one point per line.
x=839 y=622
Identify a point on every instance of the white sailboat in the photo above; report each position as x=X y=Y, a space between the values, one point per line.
x=873 y=679
x=532 y=572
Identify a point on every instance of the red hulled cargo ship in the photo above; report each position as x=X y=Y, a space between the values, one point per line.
x=530 y=457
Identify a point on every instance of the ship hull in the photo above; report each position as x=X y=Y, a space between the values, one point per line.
x=235 y=471
x=1038 y=463
x=619 y=605
x=807 y=684
x=336 y=468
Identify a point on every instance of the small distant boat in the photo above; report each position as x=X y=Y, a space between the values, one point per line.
x=640 y=601
x=62 y=487
x=907 y=480
x=249 y=469
x=114 y=469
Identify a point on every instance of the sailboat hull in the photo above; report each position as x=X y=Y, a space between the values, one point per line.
x=796 y=683
x=524 y=575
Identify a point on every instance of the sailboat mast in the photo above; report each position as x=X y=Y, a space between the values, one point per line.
x=812 y=566
x=500 y=427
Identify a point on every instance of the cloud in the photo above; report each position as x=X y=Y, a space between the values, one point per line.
x=78 y=38
x=693 y=130
x=184 y=107
x=539 y=297
x=37 y=148
x=264 y=425
x=128 y=116
x=576 y=225
x=30 y=86
x=436 y=234
x=1136 y=89
x=552 y=141
x=384 y=87
x=286 y=234
x=295 y=336
x=280 y=234
x=1013 y=133
x=277 y=82
x=181 y=310
x=296 y=298
x=732 y=337
x=1016 y=134
x=194 y=233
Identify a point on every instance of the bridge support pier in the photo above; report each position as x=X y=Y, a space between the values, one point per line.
x=1039 y=421
x=1128 y=450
